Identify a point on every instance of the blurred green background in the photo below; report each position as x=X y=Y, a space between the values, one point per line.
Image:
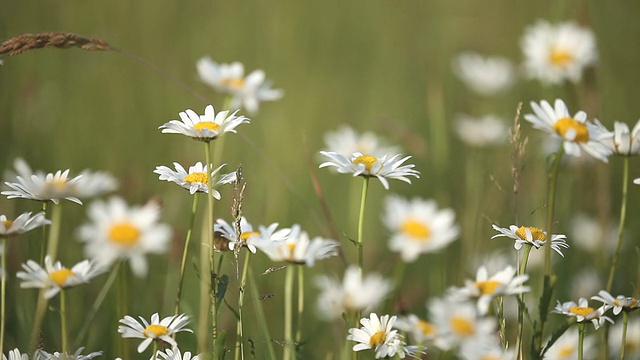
x=383 y=66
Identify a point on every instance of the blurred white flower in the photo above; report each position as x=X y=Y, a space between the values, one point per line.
x=297 y=248
x=20 y=225
x=484 y=131
x=43 y=355
x=590 y=235
x=622 y=141
x=632 y=342
x=554 y=53
x=420 y=331
x=205 y=127
x=155 y=329
x=346 y=141
x=484 y=75
x=196 y=179
x=54 y=277
x=566 y=347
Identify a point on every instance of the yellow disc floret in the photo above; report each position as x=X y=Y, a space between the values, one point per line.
x=427 y=328
x=365 y=160
x=247 y=234
x=487 y=287
x=155 y=330
x=210 y=125
x=560 y=57
x=124 y=234
x=233 y=82
x=378 y=338
x=7 y=223
x=564 y=125
x=60 y=276
x=462 y=326
x=536 y=233
x=581 y=310
x=196 y=177
x=416 y=229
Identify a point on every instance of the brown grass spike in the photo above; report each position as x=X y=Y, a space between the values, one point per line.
x=23 y=42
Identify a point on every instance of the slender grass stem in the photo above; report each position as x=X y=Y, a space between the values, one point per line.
x=623 y=216
x=63 y=321
x=262 y=322
x=209 y=222
x=521 y=270
x=241 y=290
x=551 y=199
x=3 y=288
x=625 y=320
x=205 y=286
x=43 y=243
x=581 y=331
x=363 y=201
x=288 y=312
x=300 y=304
x=185 y=252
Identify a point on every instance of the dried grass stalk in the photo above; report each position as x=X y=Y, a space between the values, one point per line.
x=21 y=43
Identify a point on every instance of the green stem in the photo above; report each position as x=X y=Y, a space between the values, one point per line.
x=625 y=320
x=521 y=270
x=581 y=331
x=300 y=304
x=213 y=289
x=262 y=322
x=363 y=200
x=241 y=289
x=63 y=322
x=185 y=252
x=3 y=277
x=43 y=243
x=623 y=216
x=288 y=312
x=205 y=286
x=551 y=199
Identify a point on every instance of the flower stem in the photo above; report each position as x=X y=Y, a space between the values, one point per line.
x=63 y=321
x=185 y=251
x=212 y=291
x=521 y=270
x=288 y=312
x=551 y=198
x=625 y=320
x=300 y=304
x=3 y=278
x=581 y=331
x=623 y=216
x=241 y=291
x=363 y=200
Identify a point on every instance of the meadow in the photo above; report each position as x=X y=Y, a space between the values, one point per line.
x=388 y=68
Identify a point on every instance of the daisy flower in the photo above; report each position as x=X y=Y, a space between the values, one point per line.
x=420 y=330
x=246 y=91
x=473 y=350
x=15 y=355
x=533 y=236
x=205 y=127
x=592 y=234
x=622 y=141
x=636 y=181
x=481 y=132
x=44 y=187
x=196 y=179
x=347 y=141
x=75 y=356
x=554 y=53
x=175 y=354
x=566 y=347
x=378 y=334
x=371 y=166
x=55 y=277
x=153 y=330
x=354 y=293
x=418 y=226
x=619 y=303
x=297 y=248
x=576 y=132
x=581 y=311
x=484 y=75
x=95 y=183
x=117 y=231
x=20 y=225
x=485 y=288
x=248 y=236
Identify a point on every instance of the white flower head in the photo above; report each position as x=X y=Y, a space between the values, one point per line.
x=247 y=91
x=15 y=355
x=575 y=131
x=205 y=127
x=632 y=342
x=156 y=329
x=297 y=248
x=566 y=347
x=480 y=132
x=175 y=354
x=117 y=231
x=619 y=303
x=196 y=179
x=582 y=312
x=371 y=166
x=41 y=354
x=554 y=53
x=20 y=225
x=55 y=277
x=346 y=141
x=248 y=236
x=418 y=226
x=533 y=236
x=44 y=187
x=355 y=292
x=419 y=330
x=377 y=333
x=622 y=141
x=484 y=75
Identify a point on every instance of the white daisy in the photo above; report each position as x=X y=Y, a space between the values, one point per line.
x=592 y=235
x=581 y=311
x=44 y=187
x=248 y=236
x=576 y=132
x=175 y=354
x=297 y=248
x=55 y=277
x=619 y=303
x=484 y=131
x=246 y=91
x=64 y=356
x=485 y=288
x=95 y=183
x=636 y=181
x=205 y=127
x=347 y=141
x=153 y=330
x=474 y=350
x=15 y=355
x=419 y=330
x=354 y=293
x=554 y=53
x=531 y=236
x=378 y=334
x=371 y=166
x=117 y=231
x=418 y=226
x=484 y=75
x=622 y=141
x=566 y=347
x=20 y=225
x=196 y=179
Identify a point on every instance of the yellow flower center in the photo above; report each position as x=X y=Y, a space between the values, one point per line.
x=154 y=331
x=426 y=328
x=487 y=287
x=560 y=57
x=536 y=233
x=565 y=124
x=292 y=247
x=60 y=276
x=581 y=310
x=378 y=338
x=247 y=234
x=7 y=223
x=462 y=326
x=236 y=83
x=206 y=125
x=416 y=229
x=632 y=302
x=366 y=160
x=566 y=351
x=196 y=177
x=124 y=234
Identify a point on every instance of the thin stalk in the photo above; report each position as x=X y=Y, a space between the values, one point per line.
x=241 y=290
x=623 y=216
x=155 y=349
x=3 y=277
x=43 y=243
x=551 y=199
x=213 y=289
x=581 y=331
x=262 y=322
x=185 y=252
x=205 y=286
x=288 y=312
x=521 y=271
x=300 y=304
x=625 y=320
x=63 y=321
x=363 y=200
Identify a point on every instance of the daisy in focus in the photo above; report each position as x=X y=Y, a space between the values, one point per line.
x=529 y=235
x=377 y=333
x=418 y=226
x=582 y=312
x=347 y=141
x=354 y=293
x=117 y=231
x=485 y=288
x=205 y=127
x=55 y=277
x=153 y=330
x=368 y=166
x=175 y=354
x=247 y=91
x=622 y=141
x=248 y=236
x=554 y=53
x=297 y=248
x=20 y=225
x=196 y=179
x=15 y=355
x=481 y=132
x=484 y=75
x=576 y=132
x=619 y=303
